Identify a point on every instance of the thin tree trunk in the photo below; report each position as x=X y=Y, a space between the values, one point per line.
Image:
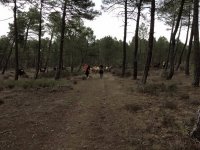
x=187 y=62
x=16 y=41
x=135 y=61
x=39 y=46
x=150 y=47
x=180 y=58
x=171 y=71
x=61 y=41
x=196 y=44
x=49 y=50
x=2 y=59
x=8 y=58
x=25 y=43
x=124 y=42
x=177 y=44
x=170 y=43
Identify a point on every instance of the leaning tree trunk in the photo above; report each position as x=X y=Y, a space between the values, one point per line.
x=186 y=40
x=135 y=61
x=187 y=61
x=170 y=43
x=16 y=41
x=150 y=47
x=124 y=42
x=196 y=44
x=39 y=46
x=171 y=71
x=177 y=44
x=61 y=41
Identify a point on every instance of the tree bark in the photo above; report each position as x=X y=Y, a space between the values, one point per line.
x=170 y=43
x=187 y=62
x=186 y=40
x=25 y=43
x=39 y=44
x=49 y=50
x=172 y=56
x=61 y=42
x=177 y=44
x=150 y=47
x=8 y=58
x=124 y=42
x=196 y=44
x=135 y=61
x=16 y=41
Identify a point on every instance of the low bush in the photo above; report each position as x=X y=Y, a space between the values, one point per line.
x=26 y=84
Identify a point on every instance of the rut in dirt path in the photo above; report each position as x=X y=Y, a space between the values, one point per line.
x=94 y=124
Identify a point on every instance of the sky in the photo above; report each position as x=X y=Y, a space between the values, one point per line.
x=107 y=24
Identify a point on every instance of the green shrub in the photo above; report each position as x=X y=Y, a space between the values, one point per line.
x=26 y=84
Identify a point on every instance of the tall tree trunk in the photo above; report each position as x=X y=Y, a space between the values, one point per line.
x=186 y=40
x=49 y=50
x=61 y=41
x=25 y=42
x=150 y=47
x=177 y=44
x=8 y=58
x=16 y=41
x=171 y=71
x=170 y=43
x=124 y=42
x=2 y=59
x=196 y=44
x=187 y=62
x=39 y=44
x=83 y=59
x=135 y=61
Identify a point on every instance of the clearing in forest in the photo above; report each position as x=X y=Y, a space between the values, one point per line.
x=104 y=114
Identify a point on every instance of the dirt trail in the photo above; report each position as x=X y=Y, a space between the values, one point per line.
x=93 y=123
x=86 y=117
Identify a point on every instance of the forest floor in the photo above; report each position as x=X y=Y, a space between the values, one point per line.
x=101 y=114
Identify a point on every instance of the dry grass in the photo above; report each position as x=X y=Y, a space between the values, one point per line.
x=168 y=112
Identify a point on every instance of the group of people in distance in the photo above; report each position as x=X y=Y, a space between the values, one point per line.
x=87 y=69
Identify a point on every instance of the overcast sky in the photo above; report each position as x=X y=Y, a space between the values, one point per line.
x=104 y=25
